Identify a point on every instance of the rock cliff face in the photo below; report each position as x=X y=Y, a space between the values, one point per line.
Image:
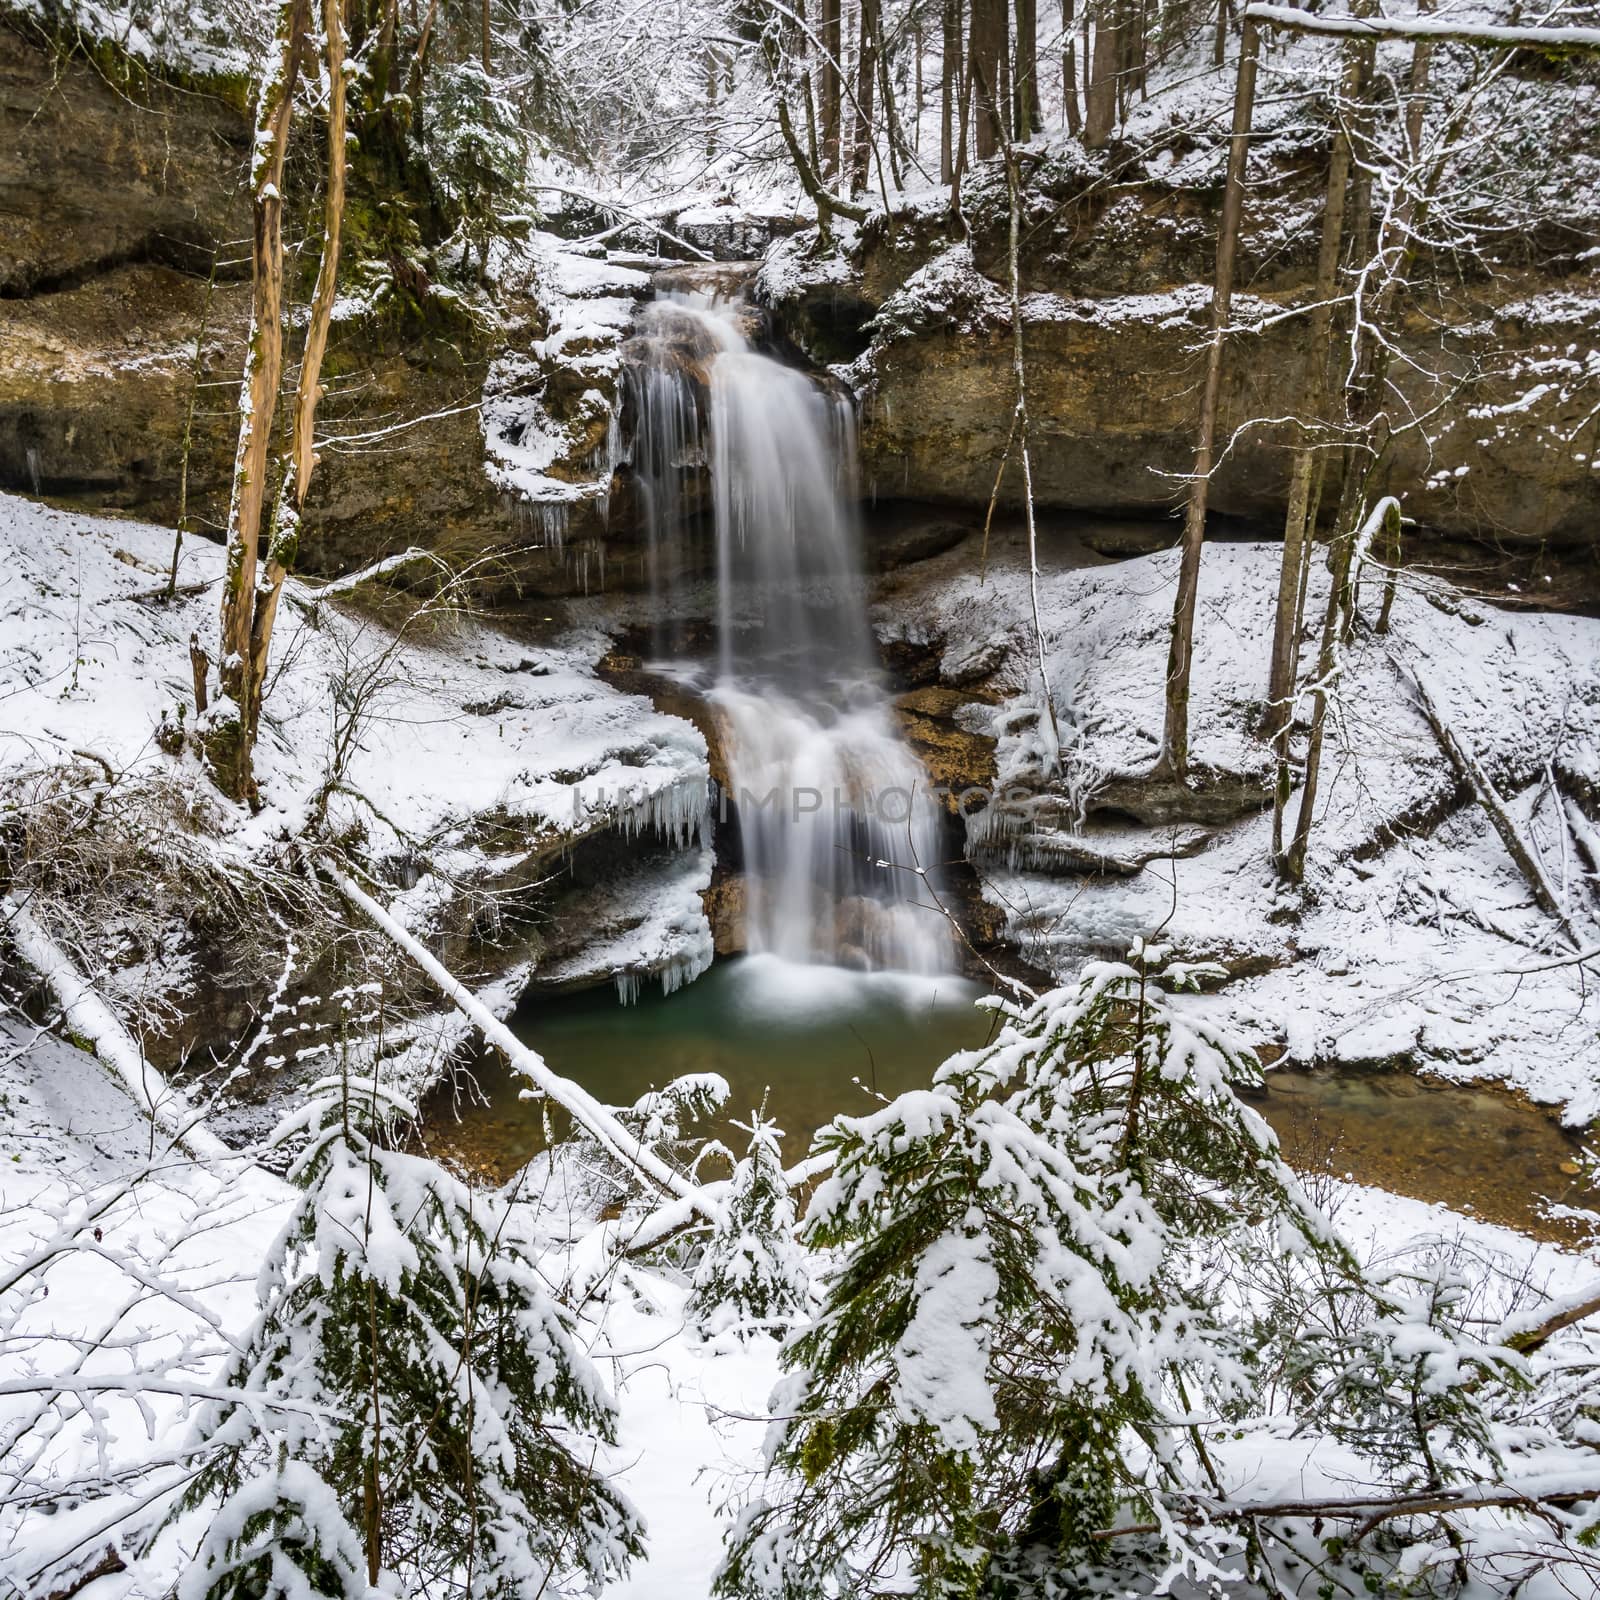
x=1116 y=305
x=116 y=338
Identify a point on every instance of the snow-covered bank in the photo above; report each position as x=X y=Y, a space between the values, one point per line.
x=1414 y=938
x=449 y=754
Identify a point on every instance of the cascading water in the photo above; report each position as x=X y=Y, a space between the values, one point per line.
x=836 y=819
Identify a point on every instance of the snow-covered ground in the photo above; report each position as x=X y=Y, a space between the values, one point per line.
x=168 y=1267
x=449 y=750
x=1415 y=938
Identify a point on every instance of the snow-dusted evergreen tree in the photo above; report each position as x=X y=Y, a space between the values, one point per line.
x=753 y=1276
x=1016 y=1332
x=1407 y=1386
x=477 y=151
x=420 y=1419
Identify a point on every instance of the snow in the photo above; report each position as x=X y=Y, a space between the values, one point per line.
x=1414 y=937
x=537 y=455
x=466 y=724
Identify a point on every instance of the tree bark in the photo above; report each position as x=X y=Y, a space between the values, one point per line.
x=259 y=398
x=1297 y=531
x=1174 y=757
x=1100 y=91
x=984 y=53
x=866 y=78
x=301 y=458
x=831 y=86
x=949 y=89
x=1069 y=71
x=1026 y=120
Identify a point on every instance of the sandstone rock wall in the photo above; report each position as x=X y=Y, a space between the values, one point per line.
x=1502 y=367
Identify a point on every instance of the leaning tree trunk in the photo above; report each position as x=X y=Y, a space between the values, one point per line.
x=229 y=742
x=1174 y=757
x=301 y=457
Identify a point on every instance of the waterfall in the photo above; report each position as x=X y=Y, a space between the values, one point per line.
x=834 y=810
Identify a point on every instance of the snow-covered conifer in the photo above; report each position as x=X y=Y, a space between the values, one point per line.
x=418 y=1414
x=1015 y=1337
x=753 y=1275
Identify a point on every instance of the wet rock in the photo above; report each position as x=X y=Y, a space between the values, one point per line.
x=958 y=761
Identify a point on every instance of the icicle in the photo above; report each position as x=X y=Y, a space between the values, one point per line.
x=678 y=812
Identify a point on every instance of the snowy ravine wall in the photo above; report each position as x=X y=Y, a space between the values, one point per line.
x=552 y=437
x=491 y=775
x=1414 y=941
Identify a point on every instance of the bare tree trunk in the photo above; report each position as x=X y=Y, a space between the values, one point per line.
x=866 y=77
x=957 y=220
x=949 y=89
x=1100 y=92
x=263 y=369
x=984 y=55
x=1174 y=757
x=487 y=36
x=301 y=456
x=1069 y=71
x=1026 y=119
x=1020 y=373
x=827 y=203
x=1219 y=40
x=713 y=76
x=894 y=135
x=832 y=86
x=1297 y=529
x=916 y=119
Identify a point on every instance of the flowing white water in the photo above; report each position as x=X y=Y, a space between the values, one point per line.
x=837 y=823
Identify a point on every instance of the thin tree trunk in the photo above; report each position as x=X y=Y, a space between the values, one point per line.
x=1484 y=792
x=866 y=77
x=713 y=74
x=259 y=399
x=916 y=119
x=487 y=37
x=1020 y=431
x=832 y=86
x=1069 y=71
x=301 y=457
x=1219 y=39
x=949 y=89
x=1297 y=530
x=1025 y=72
x=957 y=220
x=894 y=135
x=1175 y=737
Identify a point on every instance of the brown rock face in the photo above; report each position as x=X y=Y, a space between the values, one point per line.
x=1116 y=284
x=112 y=205
x=92 y=178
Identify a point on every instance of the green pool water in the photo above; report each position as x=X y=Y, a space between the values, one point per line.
x=814 y=1042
